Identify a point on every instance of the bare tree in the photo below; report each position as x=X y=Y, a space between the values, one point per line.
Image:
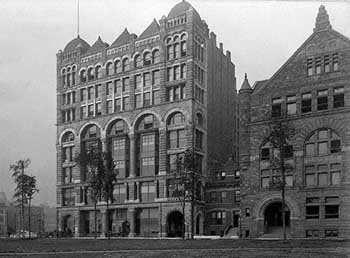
x=29 y=190
x=281 y=133
x=18 y=173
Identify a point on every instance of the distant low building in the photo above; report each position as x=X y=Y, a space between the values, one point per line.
x=3 y=214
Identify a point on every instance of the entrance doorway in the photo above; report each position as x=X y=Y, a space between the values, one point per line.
x=273 y=217
x=68 y=225
x=175 y=224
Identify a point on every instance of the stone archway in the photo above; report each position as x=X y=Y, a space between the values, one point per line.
x=175 y=223
x=273 y=219
x=269 y=204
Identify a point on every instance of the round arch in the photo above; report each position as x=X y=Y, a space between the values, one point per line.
x=199 y=223
x=175 y=223
x=170 y=112
x=261 y=206
x=64 y=132
x=146 y=112
x=84 y=126
x=115 y=118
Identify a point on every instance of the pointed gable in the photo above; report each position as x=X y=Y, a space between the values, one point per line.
x=324 y=40
x=97 y=46
x=123 y=39
x=152 y=29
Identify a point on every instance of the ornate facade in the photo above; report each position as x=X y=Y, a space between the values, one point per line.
x=311 y=93
x=146 y=99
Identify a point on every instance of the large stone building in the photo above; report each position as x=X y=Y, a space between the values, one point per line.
x=310 y=93
x=146 y=99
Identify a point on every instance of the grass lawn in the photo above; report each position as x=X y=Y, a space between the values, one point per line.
x=86 y=248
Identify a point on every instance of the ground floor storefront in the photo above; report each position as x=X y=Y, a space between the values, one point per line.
x=168 y=219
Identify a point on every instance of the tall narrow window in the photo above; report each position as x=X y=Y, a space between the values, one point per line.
x=276 y=107
x=338 y=97
x=327 y=67
x=309 y=65
x=291 y=105
x=306 y=102
x=318 y=65
x=335 y=64
x=322 y=100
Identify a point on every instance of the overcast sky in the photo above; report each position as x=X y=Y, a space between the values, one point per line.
x=261 y=35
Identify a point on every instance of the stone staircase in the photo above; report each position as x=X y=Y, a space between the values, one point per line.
x=232 y=233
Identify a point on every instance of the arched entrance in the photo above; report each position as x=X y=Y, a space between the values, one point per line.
x=273 y=217
x=175 y=224
x=68 y=225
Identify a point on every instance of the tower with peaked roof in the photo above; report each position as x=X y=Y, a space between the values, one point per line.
x=145 y=99
x=310 y=93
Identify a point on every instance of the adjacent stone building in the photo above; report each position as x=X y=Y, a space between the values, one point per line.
x=146 y=99
x=310 y=93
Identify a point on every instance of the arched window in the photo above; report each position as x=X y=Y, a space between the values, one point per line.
x=126 y=66
x=109 y=69
x=321 y=142
x=83 y=75
x=155 y=56
x=147 y=58
x=176 y=135
x=148 y=141
x=176 y=38
x=118 y=127
x=68 y=137
x=199 y=119
x=183 y=45
x=73 y=75
x=98 y=73
x=176 y=119
x=68 y=75
x=118 y=145
x=117 y=66
x=92 y=132
x=321 y=170
x=91 y=75
x=147 y=122
x=138 y=61
x=168 y=40
x=63 y=77
x=176 y=50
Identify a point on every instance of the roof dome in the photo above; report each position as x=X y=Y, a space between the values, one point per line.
x=179 y=9
x=75 y=43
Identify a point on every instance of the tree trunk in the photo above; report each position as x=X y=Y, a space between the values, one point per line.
x=22 y=204
x=95 y=220
x=29 y=226
x=107 y=214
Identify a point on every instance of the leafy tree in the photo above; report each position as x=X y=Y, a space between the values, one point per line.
x=100 y=176
x=109 y=181
x=30 y=189
x=188 y=174
x=281 y=132
x=18 y=173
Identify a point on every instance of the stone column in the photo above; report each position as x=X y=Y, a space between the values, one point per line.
x=77 y=224
x=132 y=155
x=104 y=220
x=132 y=213
x=104 y=144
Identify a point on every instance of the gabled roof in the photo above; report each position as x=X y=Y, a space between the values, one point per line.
x=322 y=26
x=97 y=46
x=123 y=39
x=259 y=84
x=152 y=29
